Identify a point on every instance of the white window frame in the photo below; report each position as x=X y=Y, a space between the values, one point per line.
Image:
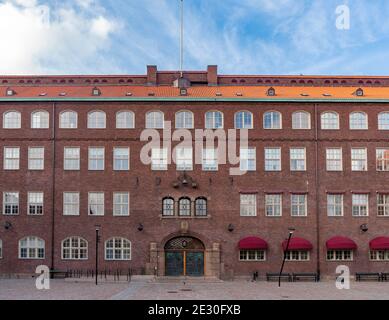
x=184 y=159
x=126 y=123
x=188 y=119
x=34 y=159
x=295 y=159
x=328 y=123
x=257 y=253
x=383 y=162
x=334 y=204
x=210 y=161
x=14 y=159
x=359 y=123
x=73 y=158
x=119 y=205
x=12 y=204
x=331 y=159
x=12 y=123
x=124 y=256
x=302 y=209
x=270 y=203
x=211 y=123
x=66 y=119
x=378 y=255
x=152 y=123
x=40 y=119
x=94 y=120
x=159 y=159
x=96 y=159
x=98 y=205
x=297 y=255
x=248 y=159
x=358 y=158
x=242 y=125
x=383 y=121
x=273 y=158
x=273 y=124
x=32 y=201
x=122 y=159
x=342 y=253
x=33 y=246
x=358 y=204
x=297 y=120
x=73 y=205
x=384 y=206
x=248 y=205
x=74 y=251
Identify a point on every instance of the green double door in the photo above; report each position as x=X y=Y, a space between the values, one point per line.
x=184 y=263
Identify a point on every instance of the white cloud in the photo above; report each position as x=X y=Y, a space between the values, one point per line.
x=40 y=39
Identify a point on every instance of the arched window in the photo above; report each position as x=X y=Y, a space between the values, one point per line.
x=118 y=249
x=40 y=120
x=301 y=120
x=68 y=120
x=201 y=209
x=74 y=248
x=272 y=120
x=125 y=120
x=383 y=121
x=184 y=120
x=1 y=249
x=96 y=120
x=330 y=121
x=243 y=120
x=31 y=248
x=358 y=121
x=12 y=120
x=214 y=120
x=155 y=120
x=184 y=207
x=168 y=207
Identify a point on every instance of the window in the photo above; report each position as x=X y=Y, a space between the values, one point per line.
x=36 y=158
x=68 y=120
x=1 y=249
x=96 y=203
x=96 y=120
x=298 y=205
x=184 y=160
x=31 y=248
x=121 y=159
x=214 y=120
x=12 y=120
x=248 y=205
x=184 y=120
x=248 y=159
x=330 y=121
x=125 y=120
x=210 y=160
x=273 y=205
x=340 y=255
x=35 y=203
x=301 y=120
x=168 y=207
x=335 y=205
x=297 y=255
x=11 y=158
x=382 y=159
x=383 y=121
x=71 y=158
x=184 y=207
x=334 y=159
x=74 y=248
x=360 y=205
x=121 y=204
x=201 y=207
x=11 y=203
x=96 y=159
x=359 y=159
x=40 y=120
x=383 y=205
x=117 y=249
x=358 y=121
x=155 y=120
x=272 y=120
x=379 y=255
x=159 y=159
x=243 y=120
x=252 y=255
x=71 y=204
x=298 y=159
x=272 y=159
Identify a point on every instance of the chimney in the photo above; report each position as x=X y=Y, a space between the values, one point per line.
x=212 y=75
x=152 y=75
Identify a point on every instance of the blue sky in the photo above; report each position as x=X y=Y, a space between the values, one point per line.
x=241 y=36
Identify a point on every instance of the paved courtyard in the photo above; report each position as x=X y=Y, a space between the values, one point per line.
x=24 y=289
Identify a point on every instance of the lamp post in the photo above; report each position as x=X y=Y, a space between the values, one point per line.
x=97 y=251
x=291 y=231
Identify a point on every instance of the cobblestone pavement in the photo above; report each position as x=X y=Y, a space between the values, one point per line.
x=237 y=290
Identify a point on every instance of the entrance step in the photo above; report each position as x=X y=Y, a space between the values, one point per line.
x=187 y=280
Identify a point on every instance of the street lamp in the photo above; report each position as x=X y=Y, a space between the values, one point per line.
x=97 y=250
x=291 y=231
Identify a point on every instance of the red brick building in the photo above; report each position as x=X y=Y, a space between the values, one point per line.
x=317 y=161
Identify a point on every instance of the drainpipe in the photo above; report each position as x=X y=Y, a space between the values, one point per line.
x=53 y=150
x=317 y=190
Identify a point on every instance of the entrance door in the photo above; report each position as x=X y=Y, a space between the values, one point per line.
x=184 y=256
x=174 y=264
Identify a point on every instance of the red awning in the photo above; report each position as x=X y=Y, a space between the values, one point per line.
x=380 y=243
x=297 y=244
x=252 y=243
x=337 y=243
